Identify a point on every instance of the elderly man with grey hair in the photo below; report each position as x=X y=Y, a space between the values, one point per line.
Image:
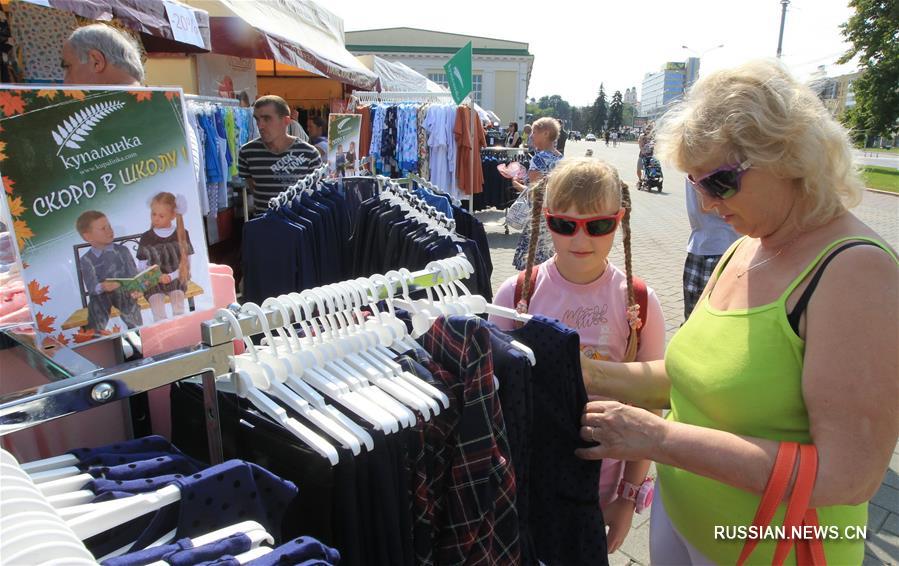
x=101 y=55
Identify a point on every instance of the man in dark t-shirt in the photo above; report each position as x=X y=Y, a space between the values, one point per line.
x=275 y=160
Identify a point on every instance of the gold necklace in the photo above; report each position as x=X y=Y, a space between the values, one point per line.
x=763 y=262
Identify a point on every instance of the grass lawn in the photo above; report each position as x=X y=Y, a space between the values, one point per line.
x=883 y=178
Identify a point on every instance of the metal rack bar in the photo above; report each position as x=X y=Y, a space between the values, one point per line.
x=38 y=405
x=215 y=332
x=370 y=96
x=212 y=99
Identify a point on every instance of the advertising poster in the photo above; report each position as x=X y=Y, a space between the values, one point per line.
x=343 y=141
x=103 y=203
x=226 y=77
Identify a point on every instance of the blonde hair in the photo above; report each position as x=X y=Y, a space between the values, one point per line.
x=548 y=124
x=589 y=186
x=168 y=199
x=759 y=112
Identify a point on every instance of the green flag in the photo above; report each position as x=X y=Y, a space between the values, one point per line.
x=458 y=73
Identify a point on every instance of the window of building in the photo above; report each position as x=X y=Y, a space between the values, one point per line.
x=476 y=87
x=476 y=84
x=439 y=78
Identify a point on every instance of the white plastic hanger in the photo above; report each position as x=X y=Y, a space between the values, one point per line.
x=360 y=342
x=393 y=333
x=308 y=366
x=382 y=336
x=280 y=391
x=63 y=461
x=304 y=390
x=110 y=514
x=336 y=351
x=253 y=376
x=352 y=437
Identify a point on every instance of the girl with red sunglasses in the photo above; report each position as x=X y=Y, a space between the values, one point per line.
x=585 y=204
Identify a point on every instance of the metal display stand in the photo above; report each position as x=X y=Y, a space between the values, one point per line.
x=70 y=392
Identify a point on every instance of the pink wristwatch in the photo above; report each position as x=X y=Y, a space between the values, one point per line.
x=641 y=494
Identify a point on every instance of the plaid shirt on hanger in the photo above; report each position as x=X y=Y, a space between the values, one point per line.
x=472 y=484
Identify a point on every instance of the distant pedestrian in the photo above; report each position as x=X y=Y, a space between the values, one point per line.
x=562 y=140
x=710 y=237
x=513 y=136
x=526 y=140
x=606 y=137
x=615 y=139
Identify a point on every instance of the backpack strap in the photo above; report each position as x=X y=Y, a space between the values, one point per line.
x=641 y=295
x=519 y=305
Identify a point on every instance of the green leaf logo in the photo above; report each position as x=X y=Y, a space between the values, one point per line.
x=75 y=127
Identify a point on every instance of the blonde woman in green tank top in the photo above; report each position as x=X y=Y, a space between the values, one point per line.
x=795 y=338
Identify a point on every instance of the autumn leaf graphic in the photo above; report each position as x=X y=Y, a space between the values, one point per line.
x=115 y=329
x=62 y=339
x=2 y=150
x=48 y=94
x=39 y=295
x=15 y=206
x=83 y=335
x=8 y=183
x=74 y=94
x=141 y=95
x=23 y=232
x=11 y=104
x=45 y=323
x=171 y=95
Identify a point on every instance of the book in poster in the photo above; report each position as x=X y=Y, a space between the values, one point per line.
x=102 y=197
x=343 y=144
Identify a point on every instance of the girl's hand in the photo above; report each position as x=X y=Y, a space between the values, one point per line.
x=618 y=516
x=166 y=279
x=620 y=431
x=518 y=186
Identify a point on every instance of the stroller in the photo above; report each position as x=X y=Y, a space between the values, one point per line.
x=652 y=175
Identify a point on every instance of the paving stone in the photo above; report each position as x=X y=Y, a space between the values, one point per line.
x=892 y=524
x=877 y=516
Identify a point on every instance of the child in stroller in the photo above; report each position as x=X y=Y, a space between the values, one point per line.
x=652 y=174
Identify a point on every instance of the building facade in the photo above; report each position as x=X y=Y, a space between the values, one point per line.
x=665 y=87
x=501 y=69
x=835 y=92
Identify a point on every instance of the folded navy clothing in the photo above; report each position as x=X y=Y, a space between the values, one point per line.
x=128 y=451
x=183 y=553
x=165 y=464
x=214 y=498
x=300 y=550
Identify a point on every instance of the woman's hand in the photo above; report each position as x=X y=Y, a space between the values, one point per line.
x=618 y=516
x=517 y=185
x=620 y=431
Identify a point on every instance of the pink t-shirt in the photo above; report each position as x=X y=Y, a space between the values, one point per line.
x=598 y=311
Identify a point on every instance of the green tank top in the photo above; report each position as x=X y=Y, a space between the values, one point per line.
x=741 y=371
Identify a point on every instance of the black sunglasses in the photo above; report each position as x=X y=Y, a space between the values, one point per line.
x=723 y=182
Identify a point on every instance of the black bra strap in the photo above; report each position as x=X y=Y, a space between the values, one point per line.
x=796 y=314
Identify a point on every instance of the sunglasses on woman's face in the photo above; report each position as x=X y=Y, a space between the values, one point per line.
x=595 y=226
x=723 y=182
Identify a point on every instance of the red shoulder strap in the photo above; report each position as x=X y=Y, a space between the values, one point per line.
x=519 y=288
x=641 y=295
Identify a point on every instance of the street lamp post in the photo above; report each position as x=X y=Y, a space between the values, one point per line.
x=783 y=19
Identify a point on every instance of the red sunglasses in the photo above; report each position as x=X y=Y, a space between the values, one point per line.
x=594 y=226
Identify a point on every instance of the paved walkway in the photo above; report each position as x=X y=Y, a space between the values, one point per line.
x=660 y=232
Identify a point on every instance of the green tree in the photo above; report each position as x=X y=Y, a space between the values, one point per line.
x=615 y=111
x=872 y=32
x=600 y=111
x=627 y=115
x=555 y=106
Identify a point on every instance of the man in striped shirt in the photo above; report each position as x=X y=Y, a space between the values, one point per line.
x=275 y=160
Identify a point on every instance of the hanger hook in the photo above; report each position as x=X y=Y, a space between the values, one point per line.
x=237 y=331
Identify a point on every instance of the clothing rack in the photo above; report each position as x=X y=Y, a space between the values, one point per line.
x=301 y=185
x=395 y=185
x=212 y=99
x=370 y=96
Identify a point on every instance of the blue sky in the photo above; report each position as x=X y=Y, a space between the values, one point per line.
x=578 y=44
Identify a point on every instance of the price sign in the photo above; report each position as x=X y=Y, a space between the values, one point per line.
x=184 y=24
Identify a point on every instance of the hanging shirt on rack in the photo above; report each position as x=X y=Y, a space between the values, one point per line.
x=468 y=159
x=275 y=172
x=477 y=524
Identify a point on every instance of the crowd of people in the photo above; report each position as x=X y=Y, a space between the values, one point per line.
x=789 y=333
